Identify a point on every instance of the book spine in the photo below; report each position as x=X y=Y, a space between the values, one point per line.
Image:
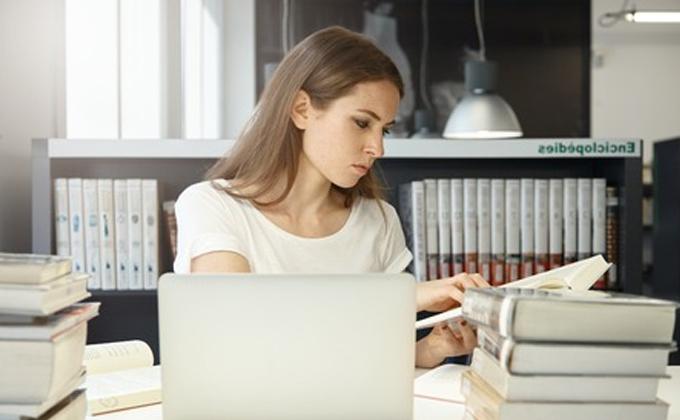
x=470 y=224
x=91 y=218
x=457 y=227
x=527 y=227
x=612 y=237
x=171 y=226
x=444 y=226
x=431 y=228
x=489 y=310
x=497 y=232
x=107 y=248
x=76 y=233
x=61 y=225
x=484 y=227
x=121 y=234
x=150 y=232
x=541 y=209
x=411 y=209
x=599 y=223
x=512 y=230
x=500 y=348
x=555 y=230
x=585 y=217
x=134 y=201
x=570 y=220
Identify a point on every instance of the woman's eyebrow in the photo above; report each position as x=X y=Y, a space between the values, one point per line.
x=374 y=115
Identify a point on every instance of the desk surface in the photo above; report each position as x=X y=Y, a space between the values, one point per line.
x=424 y=408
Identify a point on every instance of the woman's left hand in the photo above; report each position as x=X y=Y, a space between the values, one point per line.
x=443 y=294
x=445 y=342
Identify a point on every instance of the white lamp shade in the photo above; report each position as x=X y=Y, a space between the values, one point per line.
x=482 y=115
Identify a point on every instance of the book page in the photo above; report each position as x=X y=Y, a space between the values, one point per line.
x=120 y=355
x=442 y=383
x=124 y=389
x=579 y=276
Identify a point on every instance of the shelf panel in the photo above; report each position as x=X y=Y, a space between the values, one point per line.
x=394 y=148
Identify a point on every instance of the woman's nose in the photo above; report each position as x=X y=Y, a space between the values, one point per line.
x=375 y=147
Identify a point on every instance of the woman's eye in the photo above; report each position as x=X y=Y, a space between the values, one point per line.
x=361 y=123
x=386 y=131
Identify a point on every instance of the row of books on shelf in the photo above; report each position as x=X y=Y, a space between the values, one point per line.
x=110 y=227
x=507 y=229
x=566 y=354
x=43 y=331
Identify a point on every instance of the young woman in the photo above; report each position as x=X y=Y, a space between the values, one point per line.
x=298 y=192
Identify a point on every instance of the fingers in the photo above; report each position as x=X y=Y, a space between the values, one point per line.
x=479 y=280
x=468 y=335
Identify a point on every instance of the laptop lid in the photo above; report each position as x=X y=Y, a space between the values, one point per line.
x=287 y=346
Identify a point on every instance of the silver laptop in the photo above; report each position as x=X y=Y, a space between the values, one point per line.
x=251 y=346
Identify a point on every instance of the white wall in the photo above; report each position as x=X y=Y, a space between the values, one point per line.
x=635 y=84
x=31 y=85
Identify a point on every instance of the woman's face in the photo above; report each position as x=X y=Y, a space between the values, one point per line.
x=343 y=141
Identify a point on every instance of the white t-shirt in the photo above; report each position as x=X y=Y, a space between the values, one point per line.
x=211 y=220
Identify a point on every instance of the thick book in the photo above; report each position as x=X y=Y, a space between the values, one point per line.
x=43 y=299
x=107 y=245
x=444 y=226
x=527 y=226
x=170 y=226
x=61 y=227
x=512 y=230
x=135 y=235
x=412 y=215
x=17 y=327
x=541 y=224
x=571 y=316
x=570 y=215
x=599 y=223
x=67 y=404
x=556 y=223
x=470 y=225
x=484 y=228
x=32 y=371
x=484 y=403
x=562 y=388
x=546 y=358
x=497 y=232
x=76 y=224
x=432 y=247
x=32 y=268
x=91 y=225
x=457 y=227
x=121 y=375
x=150 y=212
x=121 y=234
x=584 y=198
x=577 y=276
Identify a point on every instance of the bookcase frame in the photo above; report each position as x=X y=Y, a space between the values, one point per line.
x=177 y=163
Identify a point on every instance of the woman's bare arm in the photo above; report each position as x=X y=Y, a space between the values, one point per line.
x=220 y=262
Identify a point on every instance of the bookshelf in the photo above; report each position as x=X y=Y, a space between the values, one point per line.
x=177 y=163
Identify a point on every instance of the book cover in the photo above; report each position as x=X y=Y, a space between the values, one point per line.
x=556 y=223
x=107 y=248
x=135 y=235
x=457 y=227
x=61 y=225
x=527 y=226
x=121 y=234
x=585 y=217
x=512 y=230
x=150 y=213
x=171 y=226
x=484 y=228
x=470 y=224
x=570 y=215
x=76 y=231
x=91 y=219
x=541 y=223
x=412 y=215
x=431 y=229
x=497 y=232
x=444 y=226
x=612 y=237
x=599 y=223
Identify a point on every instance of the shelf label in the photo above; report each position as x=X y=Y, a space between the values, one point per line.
x=580 y=148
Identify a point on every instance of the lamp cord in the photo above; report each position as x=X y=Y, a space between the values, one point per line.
x=423 y=56
x=480 y=32
x=607 y=20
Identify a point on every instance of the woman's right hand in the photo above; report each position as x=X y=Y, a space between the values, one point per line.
x=444 y=294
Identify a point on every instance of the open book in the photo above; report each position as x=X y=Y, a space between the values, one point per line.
x=578 y=276
x=121 y=375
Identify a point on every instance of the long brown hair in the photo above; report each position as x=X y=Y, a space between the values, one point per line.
x=326 y=65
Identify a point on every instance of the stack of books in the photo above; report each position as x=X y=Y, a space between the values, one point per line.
x=507 y=229
x=566 y=354
x=43 y=331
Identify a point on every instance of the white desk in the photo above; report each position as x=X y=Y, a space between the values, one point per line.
x=427 y=409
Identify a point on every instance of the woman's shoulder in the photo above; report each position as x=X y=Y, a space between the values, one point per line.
x=210 y=191
x=378 y=210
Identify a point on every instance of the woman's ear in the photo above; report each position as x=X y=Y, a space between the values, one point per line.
x=302 y=110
